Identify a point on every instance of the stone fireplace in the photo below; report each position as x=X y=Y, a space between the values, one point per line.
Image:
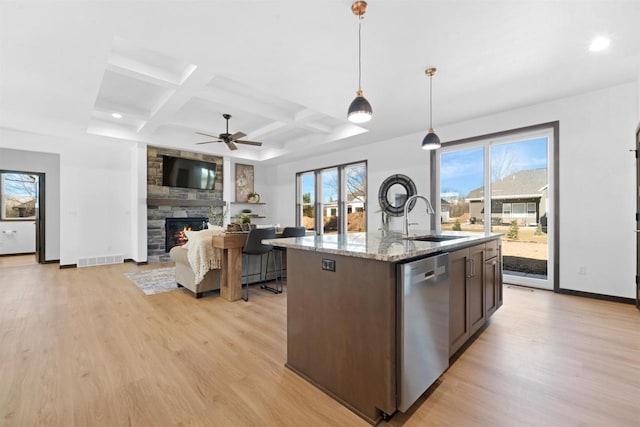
x=169 y=204
x=174 y=229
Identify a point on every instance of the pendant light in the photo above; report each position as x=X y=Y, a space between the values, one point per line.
x=360 y=110
x=431 y=141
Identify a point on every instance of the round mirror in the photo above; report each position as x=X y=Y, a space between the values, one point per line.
x=396 y=195
x=393 y=193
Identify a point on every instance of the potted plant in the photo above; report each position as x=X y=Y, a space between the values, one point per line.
x=243 y=218
x=253 y=197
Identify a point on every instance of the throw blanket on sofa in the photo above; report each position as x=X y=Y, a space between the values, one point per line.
x=201 y=254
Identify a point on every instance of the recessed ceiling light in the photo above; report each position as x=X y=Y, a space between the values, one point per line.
x=116 y=115
x=599 y=44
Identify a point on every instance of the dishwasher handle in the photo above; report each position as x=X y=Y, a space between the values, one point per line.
x=426 y=275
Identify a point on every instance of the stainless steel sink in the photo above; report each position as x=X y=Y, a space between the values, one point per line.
x=434 y=238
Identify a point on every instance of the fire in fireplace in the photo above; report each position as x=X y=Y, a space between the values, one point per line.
x=175 y=227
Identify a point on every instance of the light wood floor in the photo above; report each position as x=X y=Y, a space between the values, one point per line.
x=85 y=347
x=18 y=260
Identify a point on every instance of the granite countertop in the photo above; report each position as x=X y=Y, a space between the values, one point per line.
x=389 y=246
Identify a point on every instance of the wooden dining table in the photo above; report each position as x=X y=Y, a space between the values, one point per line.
x=231 y=268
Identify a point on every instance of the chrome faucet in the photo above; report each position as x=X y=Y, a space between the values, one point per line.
x=430 y=210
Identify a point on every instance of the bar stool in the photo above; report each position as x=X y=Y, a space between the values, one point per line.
x=252 y=247
x=287 y=232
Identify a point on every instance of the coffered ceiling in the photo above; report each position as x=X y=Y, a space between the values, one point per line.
x=287 y=70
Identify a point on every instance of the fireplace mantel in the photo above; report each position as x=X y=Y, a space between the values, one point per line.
x=183 y=202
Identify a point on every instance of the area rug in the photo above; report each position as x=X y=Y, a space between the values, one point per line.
x=154 y=281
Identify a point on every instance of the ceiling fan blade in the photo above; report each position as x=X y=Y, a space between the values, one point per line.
x=231 y=146
x=237 y=135
x=206 y=134
x=256 y=143
x=207 y=142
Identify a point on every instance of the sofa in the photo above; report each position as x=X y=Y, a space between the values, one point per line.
x=186 y=278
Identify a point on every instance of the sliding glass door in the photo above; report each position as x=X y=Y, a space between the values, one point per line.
x=462 y=174
x=504 y=185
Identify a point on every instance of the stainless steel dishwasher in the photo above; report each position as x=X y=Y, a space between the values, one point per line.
x=423 y=326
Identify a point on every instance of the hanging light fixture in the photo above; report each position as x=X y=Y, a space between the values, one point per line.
x=360 y=110
x=431 y=141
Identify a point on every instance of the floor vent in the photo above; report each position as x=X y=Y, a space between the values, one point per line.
x=100 y=260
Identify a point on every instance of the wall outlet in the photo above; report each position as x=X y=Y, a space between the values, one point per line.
x=328 y=264
x=582 y=269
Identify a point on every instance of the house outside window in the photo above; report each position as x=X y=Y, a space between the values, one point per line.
x=518 y=209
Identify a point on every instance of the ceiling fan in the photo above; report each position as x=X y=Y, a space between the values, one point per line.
x=227 y=138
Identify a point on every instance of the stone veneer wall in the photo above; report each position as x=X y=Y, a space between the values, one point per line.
x=156 y=214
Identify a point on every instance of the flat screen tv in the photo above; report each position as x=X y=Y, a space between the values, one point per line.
x=187 y=173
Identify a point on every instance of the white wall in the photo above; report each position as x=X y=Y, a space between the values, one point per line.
x=17 y=237
x=139 y=202
x=597 y=196
x=638 y=103
x=95 y=201
x=29 y=161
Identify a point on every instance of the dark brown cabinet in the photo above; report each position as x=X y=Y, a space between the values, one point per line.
x=475 y=291
x=493 y=277
x=341 y=328
x=458 y=319
x=475 y=288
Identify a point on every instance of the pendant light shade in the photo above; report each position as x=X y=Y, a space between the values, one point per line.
x=360 y=110
x=431 y=141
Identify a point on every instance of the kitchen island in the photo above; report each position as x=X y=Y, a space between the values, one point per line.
x=346 y=315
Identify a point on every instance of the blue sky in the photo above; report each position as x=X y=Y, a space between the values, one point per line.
x=329 y=187
x=462 y=171
x=355 y=175
x=308 y=183
x=13 y=186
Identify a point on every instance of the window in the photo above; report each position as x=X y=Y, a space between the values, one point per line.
x=338 y=193
x=306 y=213
x=18 y=195
x=531 y=208
x=506 y=208
x=518 y=209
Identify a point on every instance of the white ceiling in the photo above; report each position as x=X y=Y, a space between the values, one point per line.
x=287 y=70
